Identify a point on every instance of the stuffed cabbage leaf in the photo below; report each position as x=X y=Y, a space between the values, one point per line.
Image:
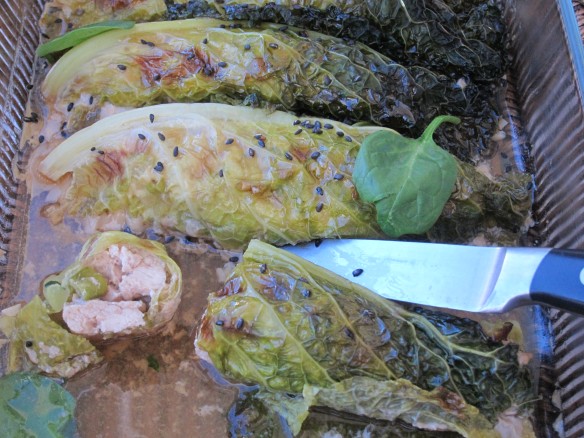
x=309 y=337
x=234 y=174
x=454 y=36
x=204 y=59
x=119 y=285
x=37 y=343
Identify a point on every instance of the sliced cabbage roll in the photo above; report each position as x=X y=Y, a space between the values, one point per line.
x=37 y=343
x=309 y=337
x=119 y=285
x=205 y=59
x=60 y=16
x=233 y=174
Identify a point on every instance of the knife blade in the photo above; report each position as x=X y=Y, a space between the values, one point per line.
x=469 y=278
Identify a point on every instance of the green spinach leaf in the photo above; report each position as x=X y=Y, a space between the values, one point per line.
x=77 y=36
x=35 y=406
x=408 y=180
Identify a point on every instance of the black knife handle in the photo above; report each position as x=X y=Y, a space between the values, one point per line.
x=559 y=280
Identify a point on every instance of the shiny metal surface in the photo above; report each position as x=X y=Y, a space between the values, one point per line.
x=469 y=278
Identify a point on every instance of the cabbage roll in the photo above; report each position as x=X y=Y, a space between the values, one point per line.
x=233 y=174
x=119 y=285
x=308 y=337
x=203 y=59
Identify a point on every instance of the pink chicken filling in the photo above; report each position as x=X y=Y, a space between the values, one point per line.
x=134 y=279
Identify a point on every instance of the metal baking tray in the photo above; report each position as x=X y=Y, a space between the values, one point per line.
x=548 y=89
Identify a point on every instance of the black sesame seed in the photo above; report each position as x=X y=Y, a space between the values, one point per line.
x=349 y=139
x=317 y=242
x=70 y=106
x=34 y=118
x=92 y=149
x=273 y=45
x=63 y=125
x=368 y=313
x=338 y=176
x=283 y=28
x=222 y=26
x=101 y=152
x=90 y=100
x=349 y=333
x=159 y=167
x=151 y=118
x=205 y=41
x=298 y=131
x=229 y=141
x=208 y=70
x=296 y=122
x=328 y=126
x=306 y=293
x=64 y=134
x=69 y=26
x=315 y=155
x=259 y=137
x=320 y=191
x=288 y=156
x=508 y=168
x=141 y=136
x=161 y=136
x=319 y=207
x=59 y=20
x=317 y=131
x=261 y=143
x=239 y=324
x=504 y=155
x=29 y=86
x=147 y=43
x=234 y=259
x=122 y=67
x=175 y=151
x=247 y=47
x=157 y=77
x=219 y=323
x=340 y=133
x=327 y=81
x=303 y=34
x=263 y=268
x=41 y=138
x=309 y=125
x=357 y=272
x=221 y=173
x=317 y=124
x=28 y=344
x=302 y=279
x=251 y=152
x=222 y=64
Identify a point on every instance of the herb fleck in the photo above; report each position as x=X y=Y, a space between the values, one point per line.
x=153 y=363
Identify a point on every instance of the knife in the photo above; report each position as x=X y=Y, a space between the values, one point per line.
x=469 y=278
